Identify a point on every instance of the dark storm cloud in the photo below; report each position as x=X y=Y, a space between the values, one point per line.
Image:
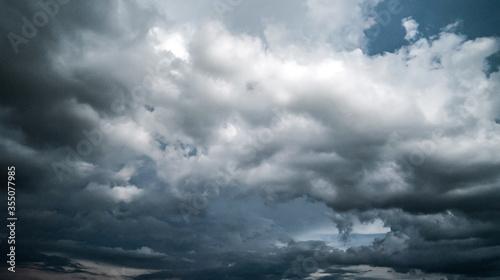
x=50 y=103
x=44 y=97
x=116 y=118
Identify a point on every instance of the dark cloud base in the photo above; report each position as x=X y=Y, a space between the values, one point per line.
x=160 y=140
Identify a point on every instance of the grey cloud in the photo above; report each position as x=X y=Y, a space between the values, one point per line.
x=264 y=112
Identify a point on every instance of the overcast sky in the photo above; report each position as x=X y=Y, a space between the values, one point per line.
x=242 y=139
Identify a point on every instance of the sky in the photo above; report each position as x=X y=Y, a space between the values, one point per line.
x=238 y=139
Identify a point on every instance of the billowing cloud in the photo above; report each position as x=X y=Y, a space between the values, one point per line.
x=183 y=143
x=411 y=27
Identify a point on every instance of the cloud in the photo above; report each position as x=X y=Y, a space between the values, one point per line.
x=411 y=27
x=119 y=114
x=118 y=193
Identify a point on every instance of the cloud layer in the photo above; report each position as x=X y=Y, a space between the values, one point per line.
x=162 y=137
